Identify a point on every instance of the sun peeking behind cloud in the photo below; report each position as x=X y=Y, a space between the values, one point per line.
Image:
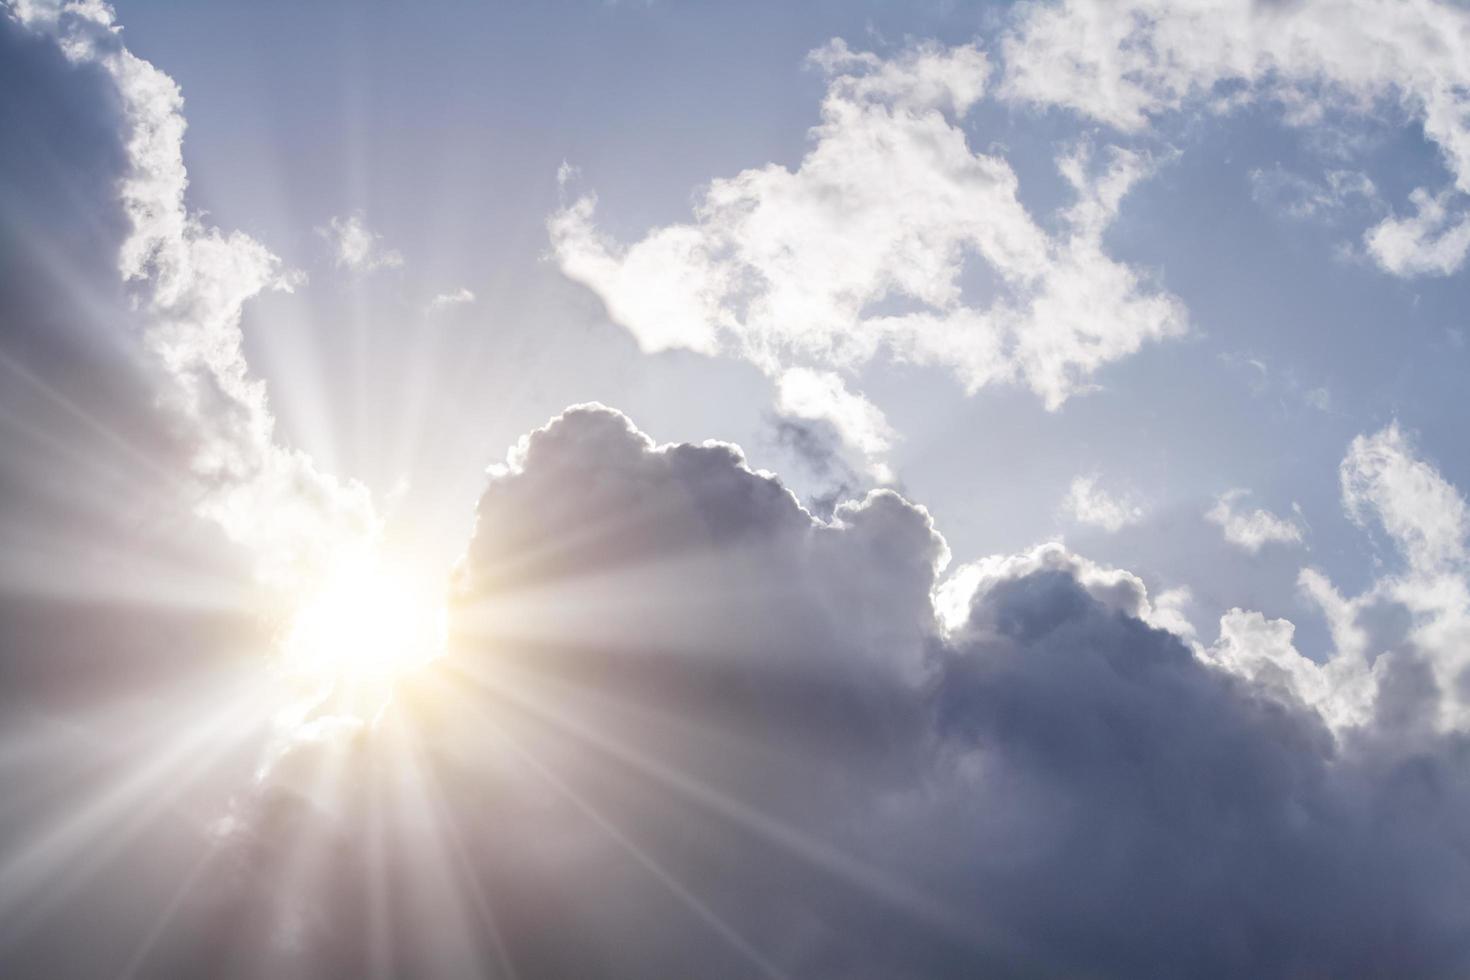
x=313 y=538
x=367 y=625
x=687 y=727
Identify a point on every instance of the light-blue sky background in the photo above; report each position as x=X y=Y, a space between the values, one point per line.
x=444 y=125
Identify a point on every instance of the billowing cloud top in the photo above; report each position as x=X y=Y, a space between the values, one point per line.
x=815 y=757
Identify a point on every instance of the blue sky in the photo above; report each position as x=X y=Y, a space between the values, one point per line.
x=433 y=125
x=1113 y=355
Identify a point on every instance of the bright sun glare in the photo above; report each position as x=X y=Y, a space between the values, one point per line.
x=368 y=625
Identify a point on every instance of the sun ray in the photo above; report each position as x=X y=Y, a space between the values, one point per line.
x=428 y=795
x=520 y=689
x=45 y=869
x=696 y=906
x=169 y=912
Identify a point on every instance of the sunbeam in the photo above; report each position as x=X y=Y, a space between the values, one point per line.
x=626 y=490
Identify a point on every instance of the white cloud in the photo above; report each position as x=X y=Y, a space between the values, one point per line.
x=1375 y=673
x=1125 y=63
x=1433 y=241
x=1262 y=649
x=357 y=247
x=1254 y=529
x=1087 y=503
x=192 y=282
x=875 y=244
x=442 y=301
x=808 y=394
x=1383 y=480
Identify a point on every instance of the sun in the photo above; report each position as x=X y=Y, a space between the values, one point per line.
x=367 y=625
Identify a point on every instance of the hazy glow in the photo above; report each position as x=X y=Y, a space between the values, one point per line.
x=367 y=625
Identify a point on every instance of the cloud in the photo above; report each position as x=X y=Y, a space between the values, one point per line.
x=1128 y=65
x=1252 y=530
x=191 y=281
x=1087 y=503
x=690 y=729
x=1295 y=196
x=729 y=738
x=444 y=301
x=356 y=247
x=1433 y=241
x=817 y=449
x=890 y=238
x=822 y=396
x=1384 y=481
x=1399 y=660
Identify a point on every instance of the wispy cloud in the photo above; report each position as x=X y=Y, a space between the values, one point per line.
x=443 y=301
x=357 y=247
x=192 y=281
x=1087 y=503
x=1129 y=64
x=1252 y=530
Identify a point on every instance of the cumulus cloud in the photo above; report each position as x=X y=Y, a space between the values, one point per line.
x=444 y=301
x=1128 y=64
x=357 y=247
x=890 y=238
x=1087 y=503
x=688 y=728
x=729 y=738
x=1252 y=530
x=1399 y=659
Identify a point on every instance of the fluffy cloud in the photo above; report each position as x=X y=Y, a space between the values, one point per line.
x=1399 y=659
x=1128 y=64
x=1252 y=530
x=1087 y=503
x=1383 y=480
x=689 y=729
x=191 y=281
x=706 y=732
x=1432 y=241
x=802 y=393
x=357 y=247
x=877 y=244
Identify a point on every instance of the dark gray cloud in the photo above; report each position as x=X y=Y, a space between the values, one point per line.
x=84 y=451
x=116 y=618
x=688 y=729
